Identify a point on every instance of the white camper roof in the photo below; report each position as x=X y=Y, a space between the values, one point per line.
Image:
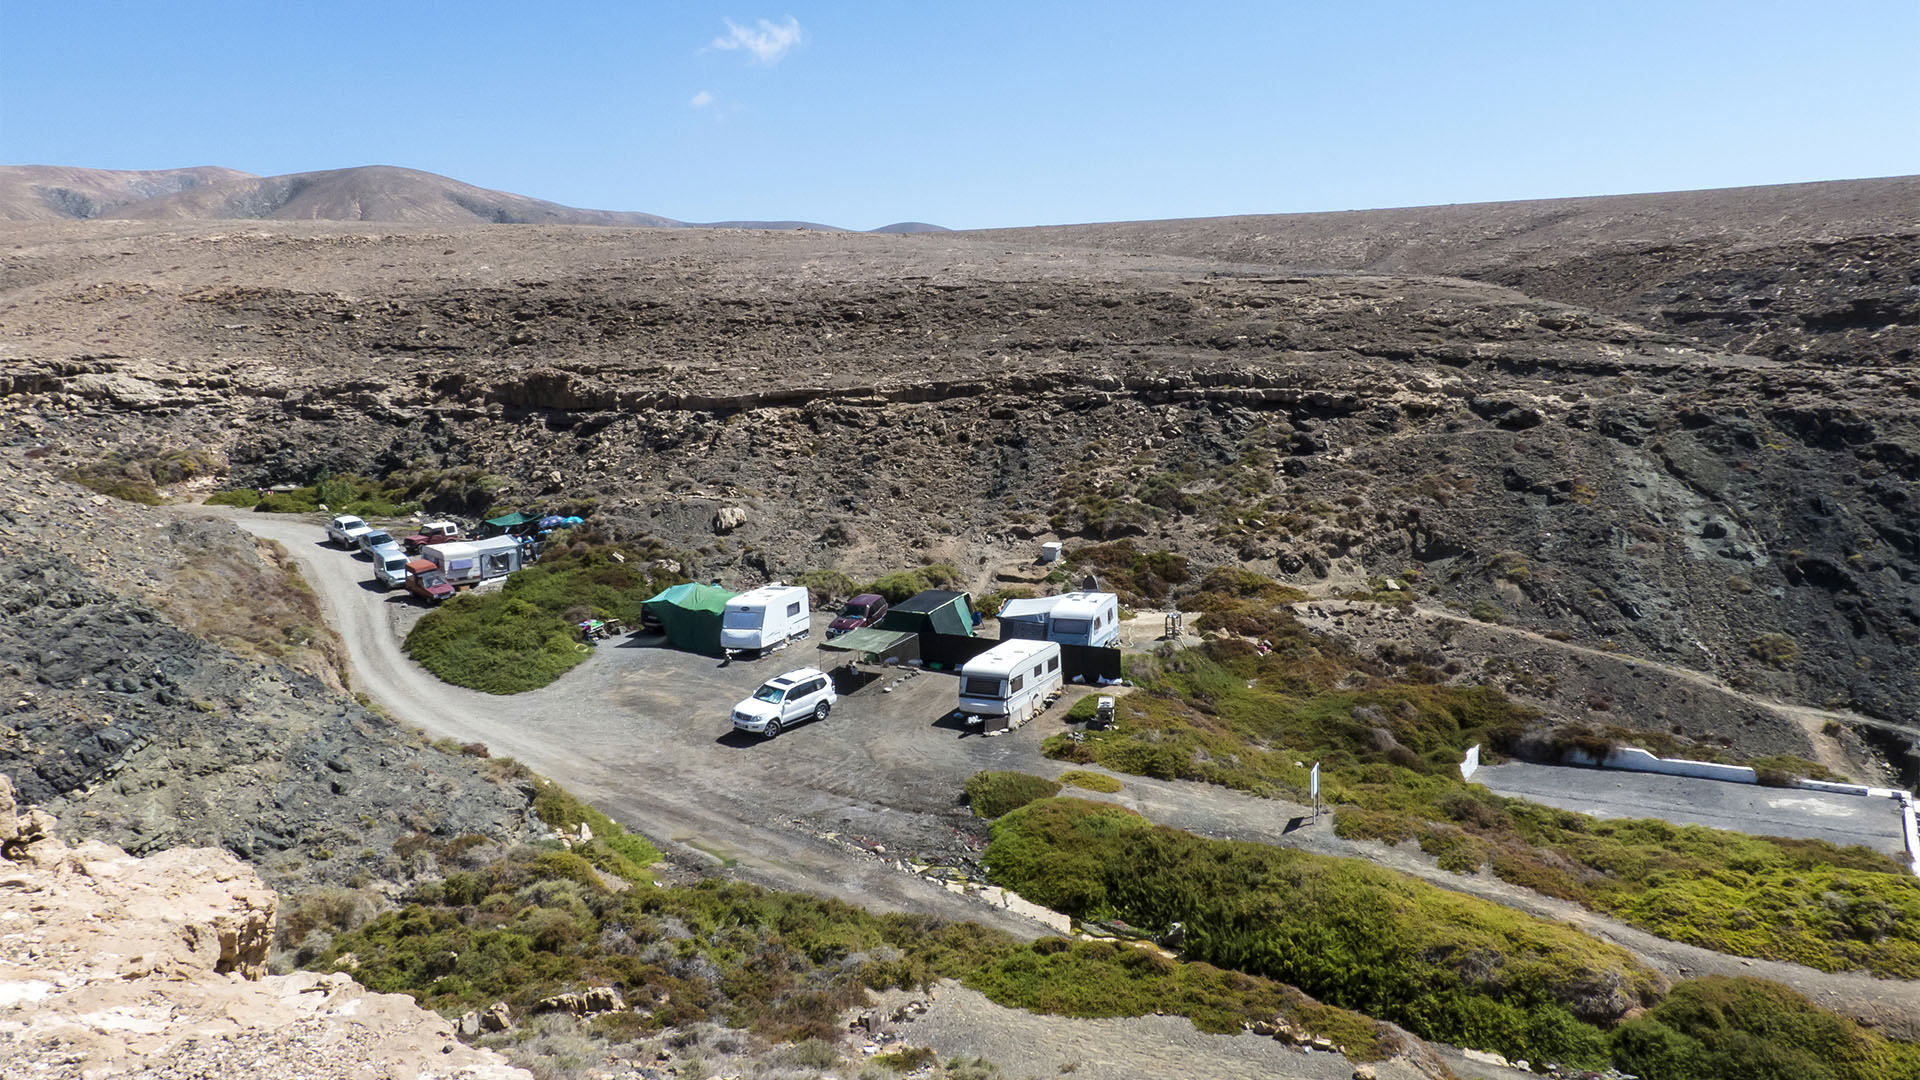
x=490 y=544
x=448 y=552
x=1039 y=605
x=776 y=593
x=1007 y=657
x=1082 y=605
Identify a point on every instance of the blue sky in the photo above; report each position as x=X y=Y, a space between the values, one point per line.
x=980 y=114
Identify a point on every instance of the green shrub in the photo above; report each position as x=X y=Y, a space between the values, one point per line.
x=1357 y=936
x=245 y=498
x=1775 y=650
x=612 y=849
x=902 y=584
x=826 y=586
x=1717 y=1027
x=1091 y=781
x=524 y=636
x=1098 y=978
x=992 y=794
x=906 y=1059
x=1141 y=578
x=298 y=501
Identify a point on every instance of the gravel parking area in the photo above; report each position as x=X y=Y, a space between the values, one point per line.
x=643 y=732
x=1686 y=800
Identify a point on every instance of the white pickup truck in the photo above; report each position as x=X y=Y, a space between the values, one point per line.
x=346 y=530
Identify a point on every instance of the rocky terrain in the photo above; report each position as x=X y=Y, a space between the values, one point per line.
x=134 y=731
x=1644 y=463
x=1565 y=469
x=112 y=965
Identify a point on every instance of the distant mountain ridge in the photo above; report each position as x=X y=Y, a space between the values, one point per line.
x=383 y=193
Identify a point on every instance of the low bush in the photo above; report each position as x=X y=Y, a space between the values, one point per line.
x=1445 y=965
x=902 y=584
x=612 y=848
x=992 y=794
x=1098 y=978
x=1141 y=578
x=826 y=586
x=1718 y=1027
x=1090 y=781
x=524 y=636
x=245 y=498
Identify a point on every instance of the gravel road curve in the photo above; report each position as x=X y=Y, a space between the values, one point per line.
x=633 y=730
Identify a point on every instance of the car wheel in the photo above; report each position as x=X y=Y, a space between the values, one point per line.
x=820 y=711
x=773 y=728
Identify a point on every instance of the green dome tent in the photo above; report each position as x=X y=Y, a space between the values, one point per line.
x=690 y=615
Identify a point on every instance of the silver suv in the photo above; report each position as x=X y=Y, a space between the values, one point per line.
x=781 y=702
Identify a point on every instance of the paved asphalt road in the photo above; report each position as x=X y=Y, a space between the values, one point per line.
x=1685 y=800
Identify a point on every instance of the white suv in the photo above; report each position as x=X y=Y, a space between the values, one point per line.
x=782 y=702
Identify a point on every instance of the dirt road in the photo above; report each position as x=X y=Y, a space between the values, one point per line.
x=641 y=733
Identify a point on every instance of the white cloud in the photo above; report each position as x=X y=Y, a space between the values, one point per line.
x=702 y=99
x=768 y=43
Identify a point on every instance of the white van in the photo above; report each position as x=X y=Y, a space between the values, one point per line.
x=766 y=617
x=390 y=567
x=1012 y=680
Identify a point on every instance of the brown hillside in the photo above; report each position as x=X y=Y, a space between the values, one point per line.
x=56 y=192
x=370 y=193
x=1791 y=271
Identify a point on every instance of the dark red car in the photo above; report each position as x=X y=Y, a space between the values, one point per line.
x=425 y=581
x=862 y=610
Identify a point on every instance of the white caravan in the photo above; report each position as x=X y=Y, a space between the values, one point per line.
x=766 y=617
x=1010 y=680
x=471 y=562
x=1075 y=618
x=1085 y=618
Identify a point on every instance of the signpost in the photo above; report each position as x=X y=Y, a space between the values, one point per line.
x=1313 y=785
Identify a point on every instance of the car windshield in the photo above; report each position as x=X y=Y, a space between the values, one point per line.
x=375 y=539
x=772 y=693
x=741 y=620
x=431 y=580
x=854 y=611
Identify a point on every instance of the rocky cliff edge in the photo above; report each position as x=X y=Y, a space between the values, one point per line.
x=115 y=965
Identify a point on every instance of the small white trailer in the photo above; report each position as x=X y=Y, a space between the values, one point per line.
x=473 y=561
x=1075 y=618
x=766 y=618
x=1010 y=681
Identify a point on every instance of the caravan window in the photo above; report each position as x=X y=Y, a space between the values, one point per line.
x=455 y=566
x=1018 y=682
x=1070 y=626
x=1036 y=671
x=741 y=619
x=793 y=609
x=1053 y=663
x=978 y=687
